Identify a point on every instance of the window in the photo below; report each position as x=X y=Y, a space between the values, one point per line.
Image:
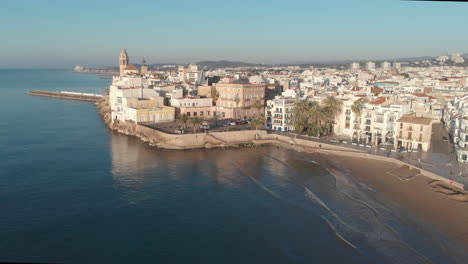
x=201 y=113
x=194 y=113
x=410 y=135
x=420 y=137
x=188 y=113
x=401 y=125
x=421 y=129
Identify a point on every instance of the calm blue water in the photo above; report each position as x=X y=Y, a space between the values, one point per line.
x=72 y=191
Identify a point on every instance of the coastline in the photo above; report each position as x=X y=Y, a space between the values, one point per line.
x=436 y=200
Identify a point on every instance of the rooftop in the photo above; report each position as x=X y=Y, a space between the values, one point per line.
x=415 y=120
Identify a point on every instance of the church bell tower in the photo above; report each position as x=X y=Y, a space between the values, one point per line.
x=123 y=61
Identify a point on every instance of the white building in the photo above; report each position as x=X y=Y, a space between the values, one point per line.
x=385 y=65
x=278 y=114
x=370 y=65
x=456 y=121
x=354 y=66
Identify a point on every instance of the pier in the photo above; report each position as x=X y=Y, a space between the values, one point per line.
x=90 y=97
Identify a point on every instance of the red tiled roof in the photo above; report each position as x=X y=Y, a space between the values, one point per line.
x=131 y=67
x=376 y=90
x=381 y=100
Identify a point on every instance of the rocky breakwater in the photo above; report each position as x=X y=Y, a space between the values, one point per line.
x=169 y=141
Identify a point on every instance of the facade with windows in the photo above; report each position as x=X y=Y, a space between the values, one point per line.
x=138 y=105
x=278 y=114
x=237 y=101
x=414 y=133
x=455 y=119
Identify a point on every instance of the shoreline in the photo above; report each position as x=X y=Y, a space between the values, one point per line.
x=432 y=198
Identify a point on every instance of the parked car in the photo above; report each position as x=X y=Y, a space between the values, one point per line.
x=232 y=123
x=444 y=138
x=224 y=124
x=245 y=122
x=239 y=123
x=179 y=131
x=334 y=140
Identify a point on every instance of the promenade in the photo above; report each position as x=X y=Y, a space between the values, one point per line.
x=439 y=160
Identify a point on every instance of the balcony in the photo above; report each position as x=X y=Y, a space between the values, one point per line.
x=379 y=120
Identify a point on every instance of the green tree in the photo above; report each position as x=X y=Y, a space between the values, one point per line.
x=214 y=94
x=258 y=122
x=182 y=121
x=357 y=110
x=195 y=123
x=258 y=106
x=309 y=117
x=333 y=107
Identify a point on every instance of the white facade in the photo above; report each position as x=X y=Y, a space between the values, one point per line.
x=278 y=114
x=370 y=66
x=354 y=66
x=385 y=65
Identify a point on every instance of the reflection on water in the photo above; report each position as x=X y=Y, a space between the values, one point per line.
x=271 y=178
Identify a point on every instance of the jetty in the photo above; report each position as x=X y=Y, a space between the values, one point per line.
x=90 y=97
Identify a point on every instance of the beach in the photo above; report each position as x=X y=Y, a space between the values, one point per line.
x=443 y=206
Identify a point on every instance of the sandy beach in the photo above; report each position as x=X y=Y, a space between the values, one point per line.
x=443 y=206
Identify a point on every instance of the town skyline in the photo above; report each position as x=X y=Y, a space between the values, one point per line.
x=270 y=32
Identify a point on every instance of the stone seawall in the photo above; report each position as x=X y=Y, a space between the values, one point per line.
x=186 y=141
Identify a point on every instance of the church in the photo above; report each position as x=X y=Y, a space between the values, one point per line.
x=129 y=69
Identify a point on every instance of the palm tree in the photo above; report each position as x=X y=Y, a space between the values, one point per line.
x=333 y=107
x=317 y=118
x=299 y=116
x=182 y=121
x=257 y=105
x=214 y=94
x=195 y=123
x=309 y=116
x=357 y=110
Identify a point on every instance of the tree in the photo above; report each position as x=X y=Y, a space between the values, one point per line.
x=357 y=110
x=257 y=105
x=333 y=107
x=182 y=121
x=309 y=116
x=258 y=122
x=214 y=94
x=195 y=123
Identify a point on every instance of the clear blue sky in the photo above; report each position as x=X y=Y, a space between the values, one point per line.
x=63 y=33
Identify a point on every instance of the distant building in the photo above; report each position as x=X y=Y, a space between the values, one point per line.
x=385 y=65
x=396 y=65
x=370 y=66
x=354 y=66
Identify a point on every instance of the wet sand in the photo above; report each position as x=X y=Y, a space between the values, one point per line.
x=439 y=204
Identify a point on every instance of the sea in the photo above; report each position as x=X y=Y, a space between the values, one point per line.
x=72 y=191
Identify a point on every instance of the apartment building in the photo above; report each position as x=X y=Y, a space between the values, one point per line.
x=236 y=100
x=278 y=114
x=414 y=133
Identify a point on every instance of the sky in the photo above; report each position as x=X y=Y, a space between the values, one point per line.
x=65 y=33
